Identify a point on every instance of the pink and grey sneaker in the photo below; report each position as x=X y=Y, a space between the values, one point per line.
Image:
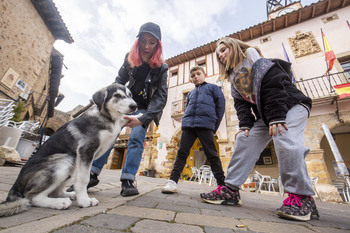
x=298 y=207
x=222 y=196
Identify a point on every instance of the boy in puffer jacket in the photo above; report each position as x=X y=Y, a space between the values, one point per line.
x=205 y=107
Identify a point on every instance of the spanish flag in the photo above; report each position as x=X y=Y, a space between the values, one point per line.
x=328 y=53
x=343 y=90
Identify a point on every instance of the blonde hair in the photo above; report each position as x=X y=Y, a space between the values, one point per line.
x=194 y=68
x=238 y=52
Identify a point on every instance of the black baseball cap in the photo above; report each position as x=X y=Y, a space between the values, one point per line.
x=151 y=28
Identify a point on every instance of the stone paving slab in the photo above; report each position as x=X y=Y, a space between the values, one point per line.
x=152 y=211
x=262 y=226
x=204 y=220
x=86 y=229
x=111 y=221
x=144 y=213
x=151 y=226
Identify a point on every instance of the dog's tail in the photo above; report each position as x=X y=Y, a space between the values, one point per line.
x=13 y=207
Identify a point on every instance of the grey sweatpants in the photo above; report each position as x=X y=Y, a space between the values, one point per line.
x=290 y=151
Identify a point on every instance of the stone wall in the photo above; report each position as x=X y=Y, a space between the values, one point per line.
x=26 y=45
x=60 y=118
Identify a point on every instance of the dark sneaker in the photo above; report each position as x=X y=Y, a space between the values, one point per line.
x=93 y=182
x=298 y=207
x=222 y=196
x=128 y=188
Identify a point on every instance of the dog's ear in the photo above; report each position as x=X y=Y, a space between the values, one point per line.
x=99 y=97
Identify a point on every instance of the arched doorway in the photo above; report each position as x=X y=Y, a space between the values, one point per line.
x=195 y=158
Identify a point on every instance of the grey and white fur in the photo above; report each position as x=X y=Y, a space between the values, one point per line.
x=69 y=152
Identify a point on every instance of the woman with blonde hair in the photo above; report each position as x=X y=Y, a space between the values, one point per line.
x=269 y=107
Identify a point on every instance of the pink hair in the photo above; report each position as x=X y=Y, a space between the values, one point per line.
x=156 y=61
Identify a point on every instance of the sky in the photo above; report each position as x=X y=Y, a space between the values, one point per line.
x=104 y=31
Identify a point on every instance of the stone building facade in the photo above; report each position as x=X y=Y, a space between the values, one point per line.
x=299 y=32
x=30 y=68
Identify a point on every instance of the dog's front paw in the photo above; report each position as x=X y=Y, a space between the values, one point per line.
x=94 y=201
x=62 y=203
x=88 y=202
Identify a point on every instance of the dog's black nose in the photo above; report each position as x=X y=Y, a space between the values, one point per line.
x=133 y=107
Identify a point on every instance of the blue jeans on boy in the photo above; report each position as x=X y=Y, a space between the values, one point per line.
x=133 y=154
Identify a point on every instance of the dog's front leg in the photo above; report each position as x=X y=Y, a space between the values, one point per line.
x=80 y=186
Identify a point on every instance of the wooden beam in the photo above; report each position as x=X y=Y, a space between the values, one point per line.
x=343 y=4
x=262 y=29
x=328 y=5
x=195 y=56
x=313 y=12
x=202 y=50
x=211 y=48
x=285 y=21
x=299 y=16
x=251 y=33
x=274 y=25
x=186 y=57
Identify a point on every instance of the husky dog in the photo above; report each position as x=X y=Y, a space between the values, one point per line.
x=71 y=149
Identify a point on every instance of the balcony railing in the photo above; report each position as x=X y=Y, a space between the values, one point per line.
x=322 y=86
x=319 y=89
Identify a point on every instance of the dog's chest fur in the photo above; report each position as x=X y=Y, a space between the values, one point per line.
x=93 y=128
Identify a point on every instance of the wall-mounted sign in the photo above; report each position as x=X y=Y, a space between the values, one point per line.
x=10 y=78
x=21 y=85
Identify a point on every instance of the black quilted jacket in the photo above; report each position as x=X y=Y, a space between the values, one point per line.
x=274 y=91
x=156 y=85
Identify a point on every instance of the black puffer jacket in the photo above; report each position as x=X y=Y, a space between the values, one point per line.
x=156 y=85
x=274 y=91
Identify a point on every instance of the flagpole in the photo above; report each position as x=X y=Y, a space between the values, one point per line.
x=327 y=72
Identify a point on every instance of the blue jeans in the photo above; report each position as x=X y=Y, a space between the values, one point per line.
x=98 y=164
x=133 y=153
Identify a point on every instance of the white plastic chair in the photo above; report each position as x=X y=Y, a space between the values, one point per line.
x=314 y=182
x=212 y=180
x=343 y=189
x=205 y=171
x=195 y=174
x=265 y=180
x=6 y=111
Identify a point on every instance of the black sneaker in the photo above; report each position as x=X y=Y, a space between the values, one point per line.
x=298 y=207
x=128 y=188
x=222 y=196
x=93 y=182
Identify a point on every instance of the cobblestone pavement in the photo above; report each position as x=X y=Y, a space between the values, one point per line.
x=152 y=211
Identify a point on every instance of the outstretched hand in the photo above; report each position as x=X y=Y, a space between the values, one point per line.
x=133 y=121
x=273 y=129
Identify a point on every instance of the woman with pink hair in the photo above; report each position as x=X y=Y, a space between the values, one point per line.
x=145 y=74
